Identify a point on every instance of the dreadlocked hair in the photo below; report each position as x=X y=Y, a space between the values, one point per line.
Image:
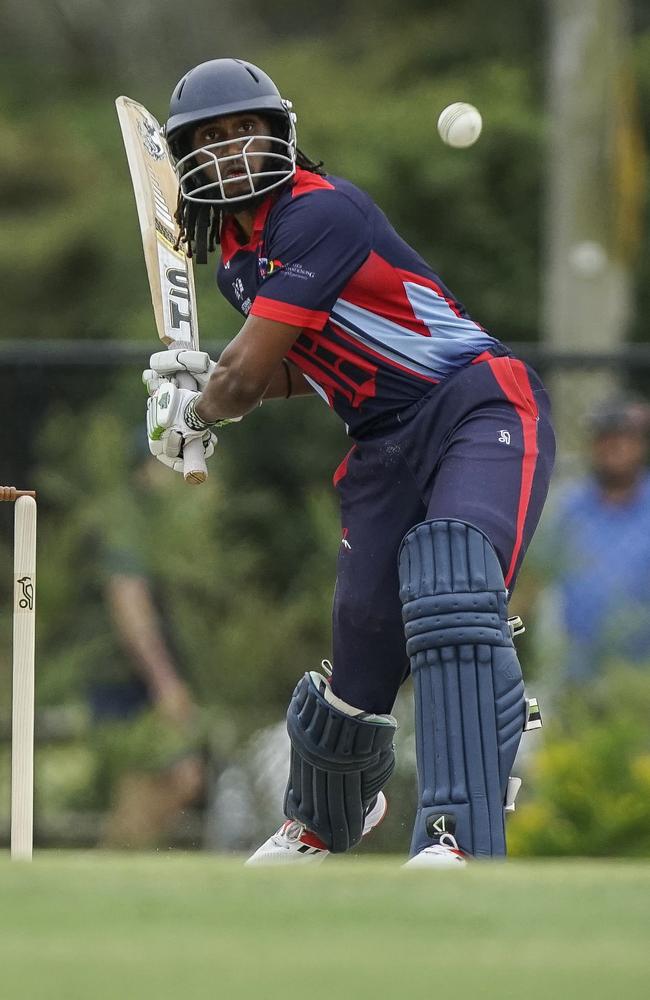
x=199 y=225
x=305 y=163
x=198 y=228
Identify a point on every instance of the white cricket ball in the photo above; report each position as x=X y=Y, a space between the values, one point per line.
x=460 y=125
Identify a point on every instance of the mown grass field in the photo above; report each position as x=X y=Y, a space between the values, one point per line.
x=93 y=927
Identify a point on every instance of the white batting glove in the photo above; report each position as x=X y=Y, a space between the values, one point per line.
x=167 y=428
x=168 y=364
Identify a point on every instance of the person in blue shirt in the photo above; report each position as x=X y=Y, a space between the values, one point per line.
x=440 y=493
x=595 y=547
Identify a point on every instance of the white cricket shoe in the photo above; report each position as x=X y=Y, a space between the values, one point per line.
x=445 y=853
x=295 y=844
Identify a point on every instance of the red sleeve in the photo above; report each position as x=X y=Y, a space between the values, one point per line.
x=283 y=312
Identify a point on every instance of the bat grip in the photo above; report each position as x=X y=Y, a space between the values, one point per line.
x=194 y=468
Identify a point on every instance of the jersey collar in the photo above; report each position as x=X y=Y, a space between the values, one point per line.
x=302 y=182
x=230 y=244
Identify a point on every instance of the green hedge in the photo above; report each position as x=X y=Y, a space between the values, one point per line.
x=590 y=781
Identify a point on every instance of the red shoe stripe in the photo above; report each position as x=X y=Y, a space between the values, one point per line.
x=309 y=838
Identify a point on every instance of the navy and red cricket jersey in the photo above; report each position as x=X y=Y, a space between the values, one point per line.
x=447 y=423
x=379 y=326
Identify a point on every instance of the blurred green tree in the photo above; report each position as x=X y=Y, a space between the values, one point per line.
x=244 y=565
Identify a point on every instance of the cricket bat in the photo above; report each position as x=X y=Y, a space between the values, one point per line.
x=169 y=270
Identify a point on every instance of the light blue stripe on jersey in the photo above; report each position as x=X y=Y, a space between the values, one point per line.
x=434 y=357
x=437 y=315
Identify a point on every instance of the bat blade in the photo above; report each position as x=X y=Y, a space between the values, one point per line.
x=171 y=278
x=155 y=186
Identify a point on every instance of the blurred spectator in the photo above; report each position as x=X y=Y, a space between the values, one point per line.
x=149 y=767
x=594 y=546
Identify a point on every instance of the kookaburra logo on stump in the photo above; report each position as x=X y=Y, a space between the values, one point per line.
x=26 y=601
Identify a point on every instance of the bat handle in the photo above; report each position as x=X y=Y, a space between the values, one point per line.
x=195 y=469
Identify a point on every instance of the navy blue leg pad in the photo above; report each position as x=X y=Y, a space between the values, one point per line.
x=469 y=692
x=339 y=763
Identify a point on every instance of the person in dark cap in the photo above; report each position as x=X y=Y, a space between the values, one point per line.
x=596 y=545
x=618 y=436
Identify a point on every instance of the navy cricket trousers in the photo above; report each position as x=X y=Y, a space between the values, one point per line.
x=479 y=448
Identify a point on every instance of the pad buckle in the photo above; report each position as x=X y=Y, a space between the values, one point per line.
x=514 y=784
x=516 y=626
x=533 y=715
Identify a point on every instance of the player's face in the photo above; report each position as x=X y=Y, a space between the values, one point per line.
x=237 y=148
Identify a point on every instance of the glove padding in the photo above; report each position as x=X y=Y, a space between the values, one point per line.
x=167 y=364
x=167 y=431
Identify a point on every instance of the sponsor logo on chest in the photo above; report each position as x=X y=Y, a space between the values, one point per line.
x=240 y=294
x=267 y=266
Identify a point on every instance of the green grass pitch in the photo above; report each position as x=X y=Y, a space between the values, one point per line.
x=188 y=927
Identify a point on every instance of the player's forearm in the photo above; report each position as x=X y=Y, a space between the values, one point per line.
x=231 y=393
x=228 y=394
x=250 y=367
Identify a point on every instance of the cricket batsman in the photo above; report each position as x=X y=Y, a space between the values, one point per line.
x=440 y=493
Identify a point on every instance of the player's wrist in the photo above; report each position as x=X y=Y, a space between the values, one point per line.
x=198 y=421
x=194 y=420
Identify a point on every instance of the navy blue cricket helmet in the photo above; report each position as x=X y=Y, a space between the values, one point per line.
x=228 y=87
